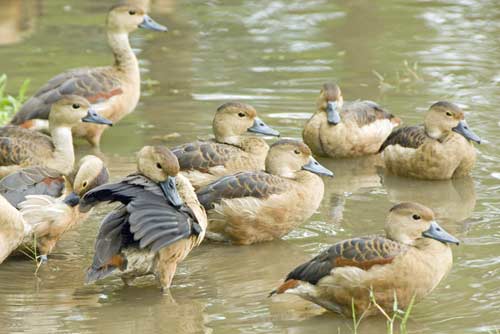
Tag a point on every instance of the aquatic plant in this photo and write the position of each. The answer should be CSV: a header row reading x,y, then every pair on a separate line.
x,y
9,104
397,314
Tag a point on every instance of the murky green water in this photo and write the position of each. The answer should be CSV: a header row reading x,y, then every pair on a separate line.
x,y
274,55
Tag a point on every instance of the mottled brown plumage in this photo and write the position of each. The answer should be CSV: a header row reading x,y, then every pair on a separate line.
x,y
158,222
232,151
116,89
440,149
251,207
409,261
346,130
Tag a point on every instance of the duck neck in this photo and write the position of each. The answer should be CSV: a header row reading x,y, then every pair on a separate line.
x,y
125,59
230,140
64,155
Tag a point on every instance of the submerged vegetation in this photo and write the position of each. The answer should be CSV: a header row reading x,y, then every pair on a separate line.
x,y
9,104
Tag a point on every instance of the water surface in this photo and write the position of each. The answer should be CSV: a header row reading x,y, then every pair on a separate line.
x,y
274,55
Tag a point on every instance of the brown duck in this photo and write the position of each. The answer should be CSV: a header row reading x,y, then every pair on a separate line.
x,y
410,260
21,147
338,131
50,217
251,207
232,151
115,89
157,224
440,149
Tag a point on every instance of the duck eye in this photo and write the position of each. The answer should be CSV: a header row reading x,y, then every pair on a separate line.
x,y
241,114
76,106
296,152
85,183
158,165
131,12
448,113
416,217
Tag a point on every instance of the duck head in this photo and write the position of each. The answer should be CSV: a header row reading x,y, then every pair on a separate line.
x,y
70,110
330,101
233,119
91,172
409,222
444,117
125,18
160,165
287,157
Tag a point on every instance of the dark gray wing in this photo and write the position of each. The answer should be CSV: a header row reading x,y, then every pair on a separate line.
x,y
31,181
246,184
410,136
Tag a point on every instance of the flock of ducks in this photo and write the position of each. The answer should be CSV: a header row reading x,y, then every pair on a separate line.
x,y
234,189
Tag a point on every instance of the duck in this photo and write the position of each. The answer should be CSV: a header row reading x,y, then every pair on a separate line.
x,y
357,129
13,228
49,218
250,207
157,224
22,147
231,151
115,89
408,262
440,149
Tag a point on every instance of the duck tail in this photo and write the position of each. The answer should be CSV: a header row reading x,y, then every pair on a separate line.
x,y
95,273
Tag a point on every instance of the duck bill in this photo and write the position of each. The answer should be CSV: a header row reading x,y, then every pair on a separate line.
x,y
463,129
93,117
332,113
436,232
72,199
260,127
169,189
315,167
150,24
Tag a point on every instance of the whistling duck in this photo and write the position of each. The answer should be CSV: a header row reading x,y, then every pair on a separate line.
x,y
50,217
338,131
157,224
203,162
440,149
251,207
410,260
116,89
21,147
12,229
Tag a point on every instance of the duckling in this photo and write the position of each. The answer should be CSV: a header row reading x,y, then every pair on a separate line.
x,y
115,88
21,147
251,207
50,217
203,162
339,131
157,224
12,229
440,149
410,260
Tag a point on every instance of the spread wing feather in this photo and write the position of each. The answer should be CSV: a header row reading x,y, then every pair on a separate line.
x,y
246,184
410,136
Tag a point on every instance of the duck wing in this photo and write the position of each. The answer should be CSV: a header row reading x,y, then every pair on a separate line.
x,y
246,184
366,112
362,253
410,136
202,155
95,84
18,145
31,181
